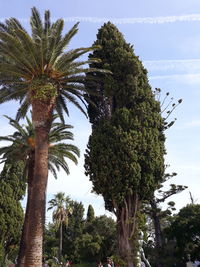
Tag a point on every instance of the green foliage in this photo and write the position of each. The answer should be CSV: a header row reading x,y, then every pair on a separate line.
x,y
128,83
158,220
185,229
125,150
42,89
123,156
51,241
61,205
99,239
83,241
90,246
38,67
90,214
22,145
71,233
12,190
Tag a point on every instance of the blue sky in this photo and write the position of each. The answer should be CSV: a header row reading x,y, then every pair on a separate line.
x,y
166,37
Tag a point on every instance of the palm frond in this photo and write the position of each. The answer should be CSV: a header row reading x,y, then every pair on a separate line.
x,y
52,170
63,43
36,25
73,100
53,39
59,109
22,111
12,47
47,22
8,93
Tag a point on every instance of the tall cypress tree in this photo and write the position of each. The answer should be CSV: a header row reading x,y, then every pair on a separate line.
x,y
12,190
124,158
90,214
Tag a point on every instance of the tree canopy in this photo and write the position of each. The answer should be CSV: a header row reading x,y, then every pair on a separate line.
x,y
129,145
12,190
185,229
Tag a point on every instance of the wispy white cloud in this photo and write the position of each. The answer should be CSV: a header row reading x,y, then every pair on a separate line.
x,y
192,78
186,70
139,20
178,65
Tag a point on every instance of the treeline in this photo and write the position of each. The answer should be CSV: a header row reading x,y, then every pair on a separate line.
x,y
85,240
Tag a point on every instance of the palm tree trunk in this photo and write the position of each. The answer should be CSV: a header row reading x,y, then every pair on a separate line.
x,y
60,243
24,237
42,118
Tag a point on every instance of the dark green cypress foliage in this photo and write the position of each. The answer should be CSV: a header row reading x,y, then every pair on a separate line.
x,y
12,190
130,142
128,75
125,152
90,214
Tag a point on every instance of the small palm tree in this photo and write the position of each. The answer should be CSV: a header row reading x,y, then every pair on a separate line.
x,y
61,204
23,148
37,71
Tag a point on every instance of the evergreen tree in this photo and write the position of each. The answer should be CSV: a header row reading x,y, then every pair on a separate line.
x,y
105,228
185,230
12,190
124,158
73,232
90,214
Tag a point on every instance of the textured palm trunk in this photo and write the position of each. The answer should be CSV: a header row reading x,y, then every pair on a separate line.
x,y
126,226
42,119
24,237
60,243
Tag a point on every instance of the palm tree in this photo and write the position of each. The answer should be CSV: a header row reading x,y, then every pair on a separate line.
x,y
23,148
61,204
37,71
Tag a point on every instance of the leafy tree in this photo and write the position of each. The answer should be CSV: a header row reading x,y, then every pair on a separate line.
x,y
73,232
185,230
157,213
159,216
105,227
89,247
12,190
158,249
124,158
83,242
90,214
37,71
23,148
96,242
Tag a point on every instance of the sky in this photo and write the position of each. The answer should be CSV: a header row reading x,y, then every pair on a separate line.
x,y
166,37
